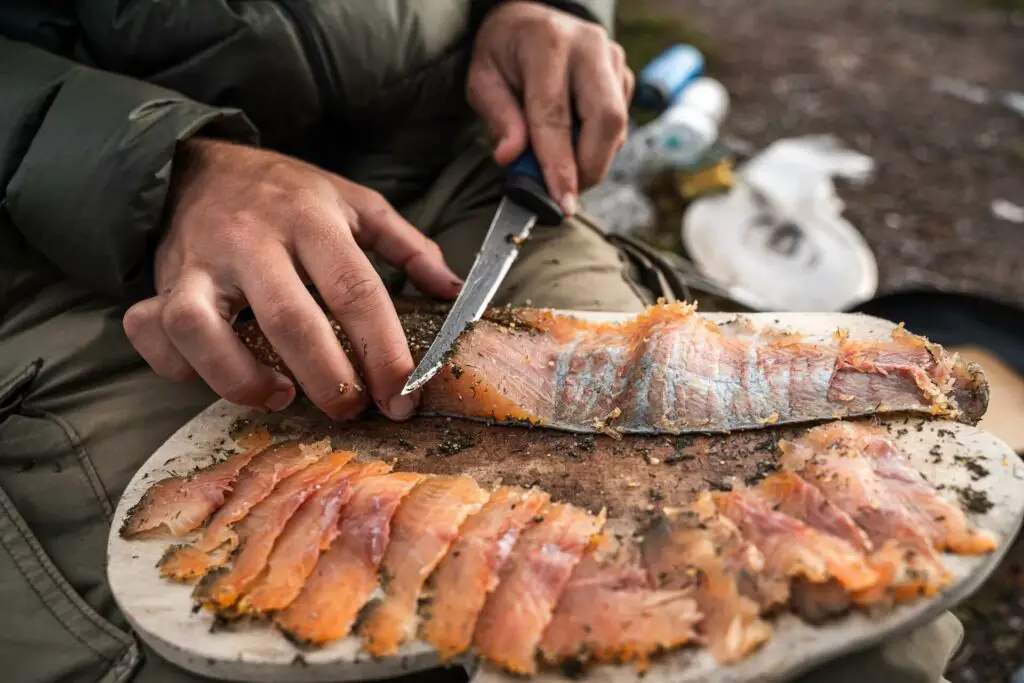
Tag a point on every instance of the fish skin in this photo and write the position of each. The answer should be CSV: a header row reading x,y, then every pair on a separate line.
x,y
261,528
610,612
181,504
833,459
515,614
423,528
345,575
793,548
254,483
469,571
310,531
690,549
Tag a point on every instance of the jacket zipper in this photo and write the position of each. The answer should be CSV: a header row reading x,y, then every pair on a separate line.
x,y
313,44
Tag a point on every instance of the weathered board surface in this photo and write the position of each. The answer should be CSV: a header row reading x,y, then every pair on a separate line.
x,y
631,477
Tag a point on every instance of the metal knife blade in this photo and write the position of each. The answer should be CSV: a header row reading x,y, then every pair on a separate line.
x,y
509,228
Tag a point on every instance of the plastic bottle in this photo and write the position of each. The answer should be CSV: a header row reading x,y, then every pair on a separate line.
x,y
687,129
660,82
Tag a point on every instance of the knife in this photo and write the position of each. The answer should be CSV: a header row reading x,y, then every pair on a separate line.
x,y
526,202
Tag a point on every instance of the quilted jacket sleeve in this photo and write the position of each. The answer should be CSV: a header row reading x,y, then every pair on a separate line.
x,y
85,162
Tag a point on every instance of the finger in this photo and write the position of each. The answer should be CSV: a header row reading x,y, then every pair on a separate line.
x,y
301,334
353,291
490,96
381,229
193,322
602,108
549,120
145,330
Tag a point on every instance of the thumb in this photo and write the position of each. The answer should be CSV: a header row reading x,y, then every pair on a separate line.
x,y
489,94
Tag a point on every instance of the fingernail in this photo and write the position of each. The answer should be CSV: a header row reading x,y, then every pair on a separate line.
x,y
569,204
280,400
401,407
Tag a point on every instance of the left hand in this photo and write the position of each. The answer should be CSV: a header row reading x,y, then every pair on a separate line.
x,y
555,62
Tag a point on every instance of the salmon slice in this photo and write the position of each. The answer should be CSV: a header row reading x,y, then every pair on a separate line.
x,y
832,459
610,612
260,529
695,548
515,614
669,370
469,572
308,533
423,528
345,576
254,483
793,548
787,493
181,504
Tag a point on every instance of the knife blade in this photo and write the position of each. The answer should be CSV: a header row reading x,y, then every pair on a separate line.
x,y
526,203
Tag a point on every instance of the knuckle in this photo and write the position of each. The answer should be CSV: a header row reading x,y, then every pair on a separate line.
x,y
183,315
244,390
354,292
281,318
177,372
135,321
618,53
612,120
592,33
387,358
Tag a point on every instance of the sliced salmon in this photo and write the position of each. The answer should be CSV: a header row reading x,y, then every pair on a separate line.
x,y
423,528
182,504
261,528
469,572
610,612
696,548
832,458
793,548
345,575
515,614
308,533
254,483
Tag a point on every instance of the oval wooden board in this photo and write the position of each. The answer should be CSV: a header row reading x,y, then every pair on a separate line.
x,y
160,611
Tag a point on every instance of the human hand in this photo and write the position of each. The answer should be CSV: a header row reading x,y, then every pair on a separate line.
x,y
251,227
554,61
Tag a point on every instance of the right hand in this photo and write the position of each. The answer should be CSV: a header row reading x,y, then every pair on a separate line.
x,y
249,228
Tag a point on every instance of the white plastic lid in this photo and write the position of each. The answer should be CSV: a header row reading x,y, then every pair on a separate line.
x,y
705,95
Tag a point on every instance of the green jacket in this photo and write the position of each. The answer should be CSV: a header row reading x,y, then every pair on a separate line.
x,y
96,94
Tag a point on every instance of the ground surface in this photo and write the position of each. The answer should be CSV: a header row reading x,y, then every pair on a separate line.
x,y
865,71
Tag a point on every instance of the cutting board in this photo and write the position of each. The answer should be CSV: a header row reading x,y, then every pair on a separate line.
x,y
584,471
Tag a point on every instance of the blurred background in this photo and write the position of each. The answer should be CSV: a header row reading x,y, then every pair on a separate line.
x,y
856,156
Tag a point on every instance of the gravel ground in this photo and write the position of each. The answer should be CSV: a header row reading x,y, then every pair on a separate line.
x,y
865,70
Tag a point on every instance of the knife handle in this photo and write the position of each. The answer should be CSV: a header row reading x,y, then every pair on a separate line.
x,y
525,185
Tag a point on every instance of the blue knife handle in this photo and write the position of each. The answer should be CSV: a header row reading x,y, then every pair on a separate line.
x,y
525,186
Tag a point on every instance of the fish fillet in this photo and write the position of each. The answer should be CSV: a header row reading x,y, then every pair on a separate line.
x,y
670,370
423,528
345,575
609,612
833,459
308,533
793,548
791,495
515,614
469,572
254,483
260,529
181,504
696,548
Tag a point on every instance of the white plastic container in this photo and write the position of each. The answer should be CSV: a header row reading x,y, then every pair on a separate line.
x,y
687,129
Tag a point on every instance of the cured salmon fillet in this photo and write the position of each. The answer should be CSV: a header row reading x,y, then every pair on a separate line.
x,y
423,528
181,504
308,533
609,612
793,548
254,483
346,574
695,548
260,529
515,614
842,460
469,572
670,370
